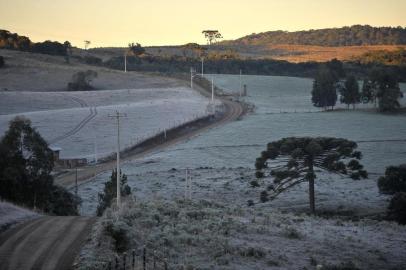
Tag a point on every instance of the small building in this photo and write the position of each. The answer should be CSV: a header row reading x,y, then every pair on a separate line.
x,y
56,151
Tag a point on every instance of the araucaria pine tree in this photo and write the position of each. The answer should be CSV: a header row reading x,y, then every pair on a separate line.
x,y
291,161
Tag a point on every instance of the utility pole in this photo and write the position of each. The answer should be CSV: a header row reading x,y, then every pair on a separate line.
x,y
202,67
125,62
118,115
76,182
191,77
240,82
212,89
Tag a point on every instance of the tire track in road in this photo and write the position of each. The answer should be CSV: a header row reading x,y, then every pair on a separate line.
x,y
81,124
44,243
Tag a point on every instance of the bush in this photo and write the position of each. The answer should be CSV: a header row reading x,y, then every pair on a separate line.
x,y
394,180
110,191
1,61
119,233
264,196
397,208
342,266
254,183
81,80
92,60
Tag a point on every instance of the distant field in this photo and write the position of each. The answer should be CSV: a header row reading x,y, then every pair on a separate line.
x,y
287,52
40,72
304,53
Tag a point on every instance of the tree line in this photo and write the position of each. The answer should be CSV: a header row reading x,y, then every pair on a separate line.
x,y
380,87
345,36
13,41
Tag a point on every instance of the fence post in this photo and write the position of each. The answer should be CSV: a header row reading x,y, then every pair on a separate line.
x,y
116,266
124,259
133,258
144,259
154,260
165,265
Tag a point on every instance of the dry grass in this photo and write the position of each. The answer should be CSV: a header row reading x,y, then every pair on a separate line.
x,y
40,72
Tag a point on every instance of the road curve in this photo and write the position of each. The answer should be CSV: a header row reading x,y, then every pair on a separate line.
x,y
44,243
233,110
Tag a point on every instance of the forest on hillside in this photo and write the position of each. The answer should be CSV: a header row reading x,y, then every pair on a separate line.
x,y
346,36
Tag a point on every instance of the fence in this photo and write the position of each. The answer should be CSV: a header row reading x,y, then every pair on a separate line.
x,y
136,260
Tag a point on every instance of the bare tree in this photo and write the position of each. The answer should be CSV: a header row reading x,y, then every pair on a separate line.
x,y
212,35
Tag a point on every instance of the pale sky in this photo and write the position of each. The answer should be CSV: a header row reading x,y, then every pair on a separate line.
x,y
165,22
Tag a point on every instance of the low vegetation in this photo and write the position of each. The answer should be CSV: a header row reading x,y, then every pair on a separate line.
x,y
81,81
26,164
110,191
394,183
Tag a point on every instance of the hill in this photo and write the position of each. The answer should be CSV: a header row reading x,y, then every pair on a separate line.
x,y
355,35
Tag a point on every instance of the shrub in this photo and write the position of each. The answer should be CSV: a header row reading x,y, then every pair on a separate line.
x,y
92,60
342,266
254,183
394,180
397,208
264,196
119,233
292,233
110,191
81,80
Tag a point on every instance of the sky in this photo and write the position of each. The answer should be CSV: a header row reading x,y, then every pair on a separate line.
x,y
115,23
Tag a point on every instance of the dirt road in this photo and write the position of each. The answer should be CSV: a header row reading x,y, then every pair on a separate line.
x,y
233,110
44,243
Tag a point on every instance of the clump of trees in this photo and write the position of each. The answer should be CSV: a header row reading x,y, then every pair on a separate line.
x,y
14,41
110,191
135,49
81,81
382,87
26,164
394,183
291,161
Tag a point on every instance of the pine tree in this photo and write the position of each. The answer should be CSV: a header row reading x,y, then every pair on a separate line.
x,y
324,92
350,92
110,191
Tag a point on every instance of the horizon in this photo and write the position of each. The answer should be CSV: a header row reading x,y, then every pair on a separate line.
x,y
124,27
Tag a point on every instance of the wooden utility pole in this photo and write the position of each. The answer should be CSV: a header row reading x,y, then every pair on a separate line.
x,y
117,116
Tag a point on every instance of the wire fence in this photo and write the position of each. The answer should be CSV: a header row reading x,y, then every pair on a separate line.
x,y
137,259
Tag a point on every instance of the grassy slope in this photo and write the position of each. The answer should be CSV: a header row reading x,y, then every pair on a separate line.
x,y
39,72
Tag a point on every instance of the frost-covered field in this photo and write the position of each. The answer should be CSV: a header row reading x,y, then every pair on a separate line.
x,y
380,137
84,116
11,214
226,233
208,235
